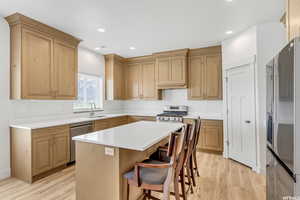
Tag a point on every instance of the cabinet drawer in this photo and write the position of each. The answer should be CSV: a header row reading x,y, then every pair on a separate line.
x,y
118,121
62,130
101,124
140,118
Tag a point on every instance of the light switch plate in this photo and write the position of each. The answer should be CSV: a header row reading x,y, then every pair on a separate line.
x,y
109,151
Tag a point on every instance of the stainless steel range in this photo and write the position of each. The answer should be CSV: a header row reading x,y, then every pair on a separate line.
x,y
173,114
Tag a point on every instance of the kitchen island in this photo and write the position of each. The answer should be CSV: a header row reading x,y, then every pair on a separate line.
x,y
103,157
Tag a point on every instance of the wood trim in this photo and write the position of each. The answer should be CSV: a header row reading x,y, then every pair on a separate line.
x,y
140,59
205,51
17,18
179,52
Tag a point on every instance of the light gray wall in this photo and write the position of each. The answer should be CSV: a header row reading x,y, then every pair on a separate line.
x,y
4,99
264,42
271,38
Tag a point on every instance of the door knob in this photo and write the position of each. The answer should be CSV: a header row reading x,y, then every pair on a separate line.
x,y
248,121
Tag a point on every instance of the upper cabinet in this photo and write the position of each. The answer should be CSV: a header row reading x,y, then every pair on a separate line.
x,y
43,61
205,74
114,77
171,69
293,18
140,81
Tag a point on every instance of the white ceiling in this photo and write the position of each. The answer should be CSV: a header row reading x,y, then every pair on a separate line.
x,y
148,25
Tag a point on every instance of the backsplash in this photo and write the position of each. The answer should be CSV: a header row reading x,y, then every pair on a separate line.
x,y
174,97
29,111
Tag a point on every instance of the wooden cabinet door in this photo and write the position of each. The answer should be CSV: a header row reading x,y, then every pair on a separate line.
x,y
163,71
101,124
196,78
211,136
118,121
61,149
213,77
133,81
148,83
118,80
65,60
37,63
212,139
42,154
178,70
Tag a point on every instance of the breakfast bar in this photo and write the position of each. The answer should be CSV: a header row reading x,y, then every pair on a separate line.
x,y
103,157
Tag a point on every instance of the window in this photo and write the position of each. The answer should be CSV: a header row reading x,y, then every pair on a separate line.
x,y
90,90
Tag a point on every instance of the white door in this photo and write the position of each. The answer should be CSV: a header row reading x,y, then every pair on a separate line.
x,y
241,118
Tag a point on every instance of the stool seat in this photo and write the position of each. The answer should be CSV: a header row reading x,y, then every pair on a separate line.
x,y
153,176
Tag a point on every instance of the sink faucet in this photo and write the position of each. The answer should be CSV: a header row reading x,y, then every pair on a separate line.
x,y
93,109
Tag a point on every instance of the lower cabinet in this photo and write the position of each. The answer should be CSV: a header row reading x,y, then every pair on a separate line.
x,y
61,146
38,151
132,119
42,152
110,123
211,136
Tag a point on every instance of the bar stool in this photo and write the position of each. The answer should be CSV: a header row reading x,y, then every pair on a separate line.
x,y
153,175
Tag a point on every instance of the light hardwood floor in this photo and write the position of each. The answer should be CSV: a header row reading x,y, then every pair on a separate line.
x,y
220,179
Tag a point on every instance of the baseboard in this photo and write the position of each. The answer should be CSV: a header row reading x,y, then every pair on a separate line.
x,y
4,173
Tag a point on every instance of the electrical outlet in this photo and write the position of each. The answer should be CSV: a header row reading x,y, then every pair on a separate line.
x,y
109,151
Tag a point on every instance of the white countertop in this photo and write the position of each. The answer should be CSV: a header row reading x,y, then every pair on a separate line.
x,y
51,123
137,136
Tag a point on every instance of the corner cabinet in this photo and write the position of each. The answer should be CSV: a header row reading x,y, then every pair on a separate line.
x,y
114,77
171,69
140,83
43,61
205,74
38,152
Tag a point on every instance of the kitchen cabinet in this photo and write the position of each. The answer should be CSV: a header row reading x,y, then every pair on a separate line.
x,y
61,148
133,81
43,61
42,154
110,123
65,58
211,136
114,77
293,18
39,151
132,119
171,69
141,79
205,74
101,124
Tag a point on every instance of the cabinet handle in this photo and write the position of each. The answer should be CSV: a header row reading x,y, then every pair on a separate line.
x,y
248,121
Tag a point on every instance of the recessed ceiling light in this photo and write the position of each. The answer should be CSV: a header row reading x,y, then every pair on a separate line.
x,y
229,0
101,30
97,48
229,32
132,48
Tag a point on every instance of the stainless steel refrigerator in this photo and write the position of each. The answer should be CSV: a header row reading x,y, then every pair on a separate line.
x,y
283,123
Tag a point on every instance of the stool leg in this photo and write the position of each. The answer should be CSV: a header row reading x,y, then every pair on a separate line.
x,y
176,189
195,162
128,190
189,179
182,181
192,172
